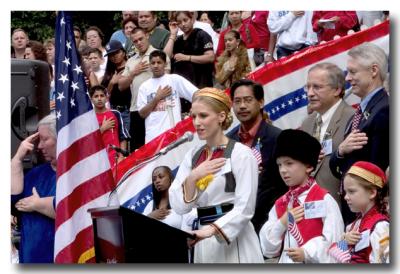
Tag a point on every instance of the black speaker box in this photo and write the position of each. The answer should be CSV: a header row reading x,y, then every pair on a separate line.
x,y
30,87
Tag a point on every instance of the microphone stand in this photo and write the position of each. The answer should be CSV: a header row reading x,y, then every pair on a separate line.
x,y
128,173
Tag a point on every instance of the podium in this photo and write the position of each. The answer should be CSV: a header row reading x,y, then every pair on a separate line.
x,y
125,236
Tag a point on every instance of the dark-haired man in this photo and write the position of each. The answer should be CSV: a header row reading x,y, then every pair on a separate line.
x,y
137,71
255,132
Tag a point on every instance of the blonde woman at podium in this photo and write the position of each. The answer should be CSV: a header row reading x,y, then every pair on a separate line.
x,y
219,180
161,179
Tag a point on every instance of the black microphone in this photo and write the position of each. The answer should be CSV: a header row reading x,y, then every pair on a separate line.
x,y
187,137
120,150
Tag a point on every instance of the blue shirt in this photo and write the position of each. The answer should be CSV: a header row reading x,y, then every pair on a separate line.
x,y
37,230
365,101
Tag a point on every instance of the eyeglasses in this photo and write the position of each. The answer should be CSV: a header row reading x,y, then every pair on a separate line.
x,y
314,87
247,100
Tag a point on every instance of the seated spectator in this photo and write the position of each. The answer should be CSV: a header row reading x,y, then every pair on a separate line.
x,y
32,194
233,64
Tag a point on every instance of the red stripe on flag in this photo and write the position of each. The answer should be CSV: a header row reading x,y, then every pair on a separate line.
x,y
154,146
82,194
82,242
317,53
79,150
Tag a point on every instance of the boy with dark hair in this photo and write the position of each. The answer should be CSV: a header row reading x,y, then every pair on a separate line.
x,y
158,98
305,221
111,125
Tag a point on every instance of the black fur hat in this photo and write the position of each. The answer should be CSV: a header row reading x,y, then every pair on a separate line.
x,y
299,145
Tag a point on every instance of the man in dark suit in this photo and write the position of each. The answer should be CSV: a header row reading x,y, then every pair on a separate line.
x,y
325,88
367,133
248,103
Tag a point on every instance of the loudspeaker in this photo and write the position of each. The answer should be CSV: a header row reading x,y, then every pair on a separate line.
x,y
30,87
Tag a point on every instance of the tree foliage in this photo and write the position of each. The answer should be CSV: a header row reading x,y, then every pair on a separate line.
x,y
40,25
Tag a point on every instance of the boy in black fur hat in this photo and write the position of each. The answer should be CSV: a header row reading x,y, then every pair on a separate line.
x,y
306,220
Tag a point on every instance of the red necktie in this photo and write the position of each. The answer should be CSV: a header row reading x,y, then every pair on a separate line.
x,y
356,118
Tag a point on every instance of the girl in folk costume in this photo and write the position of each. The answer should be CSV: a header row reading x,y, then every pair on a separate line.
x,y
219,180
365,187
304,222
234,63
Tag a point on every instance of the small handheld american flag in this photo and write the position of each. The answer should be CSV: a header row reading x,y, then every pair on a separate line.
x,y
256,152
294,230
340,252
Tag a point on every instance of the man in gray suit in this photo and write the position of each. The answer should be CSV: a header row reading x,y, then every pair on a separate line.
x,y
325,89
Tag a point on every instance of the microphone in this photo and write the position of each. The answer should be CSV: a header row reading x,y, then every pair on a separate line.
x,y
120,150
187,137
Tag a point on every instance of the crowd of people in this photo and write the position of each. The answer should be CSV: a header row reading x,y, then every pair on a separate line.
x,y
257,192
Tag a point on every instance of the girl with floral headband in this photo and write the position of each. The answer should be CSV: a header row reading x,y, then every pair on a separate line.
x,y
220,180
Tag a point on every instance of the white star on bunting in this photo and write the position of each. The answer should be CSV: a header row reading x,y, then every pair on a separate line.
x,y
77,69
68,44
74,85
63,78
60,96
58,115
66,61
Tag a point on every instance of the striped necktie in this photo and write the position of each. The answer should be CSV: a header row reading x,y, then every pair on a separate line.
x,y
356,118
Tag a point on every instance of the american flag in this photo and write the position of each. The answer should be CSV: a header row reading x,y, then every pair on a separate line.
x,y
256,152
294,230
84,177
340,252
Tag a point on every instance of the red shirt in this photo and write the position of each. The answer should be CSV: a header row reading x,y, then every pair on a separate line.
x,y
348,20
110,136
259,22
247,137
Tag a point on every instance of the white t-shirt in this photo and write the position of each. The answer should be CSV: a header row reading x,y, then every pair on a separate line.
x,y
167,113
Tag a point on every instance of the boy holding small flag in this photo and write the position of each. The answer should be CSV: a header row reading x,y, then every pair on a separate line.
x,y
306,220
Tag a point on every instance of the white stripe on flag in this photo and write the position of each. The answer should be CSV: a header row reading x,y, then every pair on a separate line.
x,y
75,131
80,220
81,172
